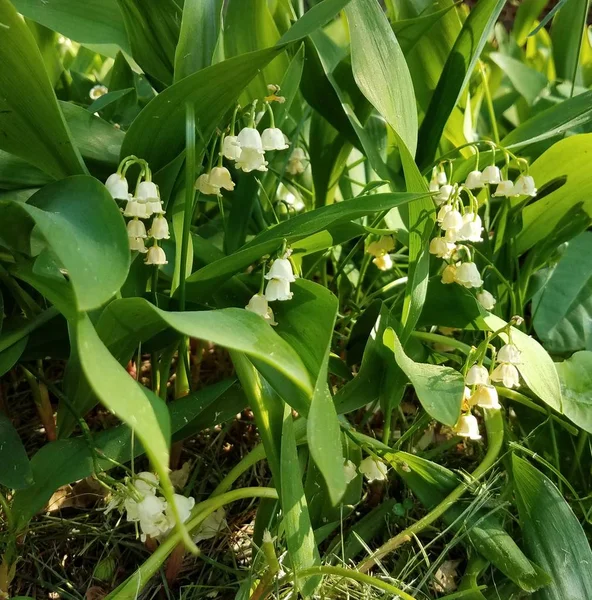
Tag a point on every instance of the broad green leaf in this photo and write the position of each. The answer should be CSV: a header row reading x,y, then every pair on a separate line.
x,y
456,75
125,398
552,219
565,116
432,482
439,389
83,228
153,30
536,366
566,35
64,461
158,133
89,22
526,80
380,69
553,536
249,26
293,230
200,30
16,173
127,322
300,538
15,469
31,124
563,307
575,375
9,356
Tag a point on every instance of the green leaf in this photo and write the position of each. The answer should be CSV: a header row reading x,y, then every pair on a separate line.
x,y
248,27
202,20
431,483
300,538
83,228
380,69
15,469
553,535
31,124
153,30
439,389
89,22
528,82
10,355
565,116
456,75
552,219
575,375
292,230
566,37
526,15
64,461
536,366
563,307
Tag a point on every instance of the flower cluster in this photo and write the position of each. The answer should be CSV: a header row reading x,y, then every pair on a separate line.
x,y
140,501
491,175
143,204
380,250
479,391
279,278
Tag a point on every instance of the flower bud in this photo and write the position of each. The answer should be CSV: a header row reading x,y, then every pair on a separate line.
x,y
273,139
117,186
509,354
160,228
258,305
452,220
485,396
468,275
468,426
444,194
137,244
444,210
231,149
449,274
505,188
472,228
486,300
491,175
525,186
136,229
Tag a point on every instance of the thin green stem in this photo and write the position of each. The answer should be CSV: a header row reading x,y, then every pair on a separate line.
x,y
489,103
252,458
495,436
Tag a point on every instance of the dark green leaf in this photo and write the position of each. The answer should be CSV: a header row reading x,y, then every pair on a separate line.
x,y
15,469
575,375
566,36
553,535
31,124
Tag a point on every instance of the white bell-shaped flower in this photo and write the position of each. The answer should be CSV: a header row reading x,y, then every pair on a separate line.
x,y
231,148
184,505
468,427
486,300
471,228
220,177
441,248
449,274
160,228
468,275
211,526
505,188
278,289
452,220
251,159
485,396
350,471
117,186
203,186
147,192
506,374
272,138
434,187
491,174
156,256
149,507
138,245
146,482
467,393
133,208
525,186
441,178
477,375
258,304
452,236
372,469
383,262
444,210
155,207
296,164
473,180
444,194
281,268
136,229
249,137
382,246
509,354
